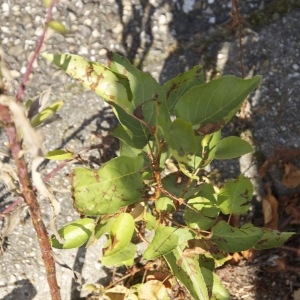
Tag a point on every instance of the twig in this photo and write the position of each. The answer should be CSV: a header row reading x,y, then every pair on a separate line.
x,y
237,16
8,112
10,208
37,49
31,200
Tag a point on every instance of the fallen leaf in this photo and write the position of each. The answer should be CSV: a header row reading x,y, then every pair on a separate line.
x,y
153,290
270,210
291,178
164,277
296,295
280,155
120,292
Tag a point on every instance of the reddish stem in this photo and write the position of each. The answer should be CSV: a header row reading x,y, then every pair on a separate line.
x,y
31,200
7,210
37,49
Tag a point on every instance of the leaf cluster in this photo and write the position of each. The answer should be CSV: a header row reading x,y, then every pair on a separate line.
x,y
179,121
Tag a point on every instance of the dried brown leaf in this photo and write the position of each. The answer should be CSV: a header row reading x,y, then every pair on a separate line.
x,y
153,290
270,211
291,178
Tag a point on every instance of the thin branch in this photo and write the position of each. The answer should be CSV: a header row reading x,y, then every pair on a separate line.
x,y
11,207
31,200
37,49
238,19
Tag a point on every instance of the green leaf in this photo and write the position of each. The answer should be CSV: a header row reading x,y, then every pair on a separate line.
x,y
103,227
181,141
207,191
272,239
116,184
231,239
235,197
46,113
204,216
164,241
97,77
131,131
116,88
179,85
124,257
210,106
146,91
59,155
214,285
171,184
188,272
165,204
119,250
75,234
232,147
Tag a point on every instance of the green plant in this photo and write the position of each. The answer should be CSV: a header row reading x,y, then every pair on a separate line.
x,y
176,124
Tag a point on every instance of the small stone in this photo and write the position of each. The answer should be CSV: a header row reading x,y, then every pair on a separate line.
x,y
95,33
162,20
212,20
102,52
5,8
295,67
188,6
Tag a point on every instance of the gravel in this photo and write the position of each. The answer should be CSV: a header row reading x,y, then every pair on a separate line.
x,y
164,38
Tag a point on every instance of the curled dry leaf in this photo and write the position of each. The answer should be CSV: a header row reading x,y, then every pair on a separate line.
x,y
293,211
296,295
291,178
164,277
153,290
270,211
120,292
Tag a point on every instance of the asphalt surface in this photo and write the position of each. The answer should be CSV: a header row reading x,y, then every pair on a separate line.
x,y
164,38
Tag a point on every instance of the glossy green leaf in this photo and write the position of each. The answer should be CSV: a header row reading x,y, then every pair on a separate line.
x,y
119,250
46,113
272,239
103,227
176,188
131,131
116,88
163,242
188,272
97,77
232,147
204,214
165,204
147,94
236,195
231,239
59,155
207,191
150,221
182,142
208,147
75,234
209,106
179,85
213,283
116,184
124,257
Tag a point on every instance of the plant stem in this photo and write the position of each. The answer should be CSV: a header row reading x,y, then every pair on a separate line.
x,y
36,51
30,198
